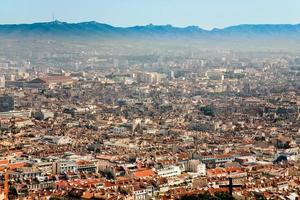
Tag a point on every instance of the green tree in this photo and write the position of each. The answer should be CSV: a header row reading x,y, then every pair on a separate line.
x,y
223,195
208,110
208,196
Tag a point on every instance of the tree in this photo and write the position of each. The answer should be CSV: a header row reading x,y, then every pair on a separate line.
x,y
223,195
208,196
259,196
208,110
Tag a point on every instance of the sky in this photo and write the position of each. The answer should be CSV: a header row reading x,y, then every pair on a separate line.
x,y
203,13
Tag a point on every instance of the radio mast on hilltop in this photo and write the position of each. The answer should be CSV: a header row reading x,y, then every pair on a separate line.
x,y
53,17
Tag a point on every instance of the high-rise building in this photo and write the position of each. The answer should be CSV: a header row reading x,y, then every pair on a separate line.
x,y
196,166
298,138
2,81
172,75
147,77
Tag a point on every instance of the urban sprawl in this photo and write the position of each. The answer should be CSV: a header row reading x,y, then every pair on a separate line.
x,y
150,127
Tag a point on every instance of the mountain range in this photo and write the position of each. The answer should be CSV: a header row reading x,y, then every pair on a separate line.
x,y
95,29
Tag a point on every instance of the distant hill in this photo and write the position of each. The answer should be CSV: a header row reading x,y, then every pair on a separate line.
x,y
95,29
260,30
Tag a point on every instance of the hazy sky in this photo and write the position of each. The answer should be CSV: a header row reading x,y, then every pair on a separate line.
x,y
203,13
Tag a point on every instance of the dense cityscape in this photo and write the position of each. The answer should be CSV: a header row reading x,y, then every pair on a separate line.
x,y
150,126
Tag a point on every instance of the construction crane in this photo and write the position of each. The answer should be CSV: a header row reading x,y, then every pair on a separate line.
x,y
6,168
6,186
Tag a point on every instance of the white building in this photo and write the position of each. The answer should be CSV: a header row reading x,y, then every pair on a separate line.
x,y
143,193
147,77
195,166
169,171
58,140
119,130
60,167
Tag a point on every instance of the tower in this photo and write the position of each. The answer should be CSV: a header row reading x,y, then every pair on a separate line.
x,y
2,81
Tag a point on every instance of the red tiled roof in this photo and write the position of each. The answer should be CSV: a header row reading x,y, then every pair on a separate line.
x,y
87,195
56,79
4,162
144,173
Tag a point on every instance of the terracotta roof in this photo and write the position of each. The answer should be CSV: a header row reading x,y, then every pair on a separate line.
x,y
223,156
52,79
56,79
4,162
87,195
144,173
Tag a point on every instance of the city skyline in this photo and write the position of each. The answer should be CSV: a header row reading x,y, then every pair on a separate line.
x,y
205,14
